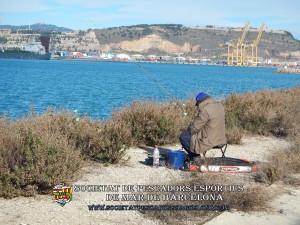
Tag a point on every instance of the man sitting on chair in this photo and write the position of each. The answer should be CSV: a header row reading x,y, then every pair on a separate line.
x,y
207,130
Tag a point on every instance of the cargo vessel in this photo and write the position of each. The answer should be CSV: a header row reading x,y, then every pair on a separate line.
x,y
38,50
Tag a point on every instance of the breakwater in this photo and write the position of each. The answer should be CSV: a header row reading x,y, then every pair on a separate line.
x,y
288,70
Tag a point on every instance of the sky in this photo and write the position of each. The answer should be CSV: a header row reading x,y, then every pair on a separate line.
x,y
96,14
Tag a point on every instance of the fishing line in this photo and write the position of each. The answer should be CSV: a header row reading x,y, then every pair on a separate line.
x,y
151,77
155,81
159,85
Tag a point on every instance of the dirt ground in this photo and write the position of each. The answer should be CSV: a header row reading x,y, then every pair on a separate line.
x,y
42,209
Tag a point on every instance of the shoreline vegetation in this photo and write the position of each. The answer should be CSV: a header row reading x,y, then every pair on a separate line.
x,y
39,151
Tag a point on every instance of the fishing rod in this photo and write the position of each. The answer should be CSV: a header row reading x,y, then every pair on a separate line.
x,y
155,81
161,87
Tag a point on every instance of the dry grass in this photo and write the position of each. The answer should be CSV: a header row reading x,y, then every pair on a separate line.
x,y
281,166
253,198
284,163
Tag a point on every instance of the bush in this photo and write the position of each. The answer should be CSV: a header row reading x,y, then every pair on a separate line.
x,y
40,151
234,135
111,144
264,112
151,123
34,156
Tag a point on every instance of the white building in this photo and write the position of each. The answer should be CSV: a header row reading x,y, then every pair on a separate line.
x,y
138,57
152,58
180,59
124,57
107,55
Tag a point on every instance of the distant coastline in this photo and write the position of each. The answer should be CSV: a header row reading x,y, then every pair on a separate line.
x,y
279,66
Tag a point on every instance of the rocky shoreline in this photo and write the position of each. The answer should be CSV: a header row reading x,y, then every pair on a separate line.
x,y
288,70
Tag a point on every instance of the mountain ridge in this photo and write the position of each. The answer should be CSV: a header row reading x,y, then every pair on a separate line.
x,y
37,27
174,39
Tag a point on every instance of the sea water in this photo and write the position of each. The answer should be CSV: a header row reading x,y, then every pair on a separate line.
x,y
97,88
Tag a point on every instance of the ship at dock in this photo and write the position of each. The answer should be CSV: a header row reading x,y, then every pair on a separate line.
x,y
33,50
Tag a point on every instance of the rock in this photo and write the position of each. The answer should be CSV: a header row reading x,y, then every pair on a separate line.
x,y
281,211
288,70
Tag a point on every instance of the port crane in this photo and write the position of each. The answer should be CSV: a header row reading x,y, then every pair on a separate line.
x,y
235,52
251,49
239,46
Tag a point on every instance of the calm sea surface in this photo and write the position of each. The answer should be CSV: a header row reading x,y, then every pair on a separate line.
x,y
98,88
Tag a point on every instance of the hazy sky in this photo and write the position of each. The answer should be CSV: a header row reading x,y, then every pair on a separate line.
x,y
85,14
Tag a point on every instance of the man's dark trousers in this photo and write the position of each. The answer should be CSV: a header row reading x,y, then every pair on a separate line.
x,y
185,140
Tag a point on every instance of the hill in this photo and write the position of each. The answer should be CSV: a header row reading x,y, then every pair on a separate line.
x,y
192,41
160,39
36,27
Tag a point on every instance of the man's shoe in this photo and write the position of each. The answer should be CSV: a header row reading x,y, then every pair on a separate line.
x,y
197,160
186,166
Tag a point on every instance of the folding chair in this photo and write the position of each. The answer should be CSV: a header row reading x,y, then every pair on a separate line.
x,y
222,147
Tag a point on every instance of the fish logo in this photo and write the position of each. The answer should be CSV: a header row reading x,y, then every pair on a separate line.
x,y
62,194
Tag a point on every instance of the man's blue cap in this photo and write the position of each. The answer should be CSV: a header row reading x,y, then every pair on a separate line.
x,y
200,97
